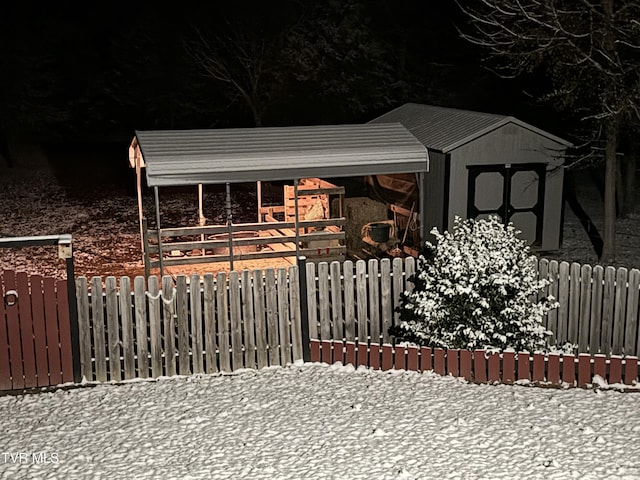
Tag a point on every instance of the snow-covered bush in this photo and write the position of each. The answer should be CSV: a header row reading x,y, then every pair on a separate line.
x,y
474,289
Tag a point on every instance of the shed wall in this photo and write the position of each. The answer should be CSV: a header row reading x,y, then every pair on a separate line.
x,y
511,144
436,191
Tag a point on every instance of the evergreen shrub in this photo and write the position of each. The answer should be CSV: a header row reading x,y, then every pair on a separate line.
x,y
476,288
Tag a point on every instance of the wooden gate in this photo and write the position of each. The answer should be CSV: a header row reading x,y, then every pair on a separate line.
x,y
35,331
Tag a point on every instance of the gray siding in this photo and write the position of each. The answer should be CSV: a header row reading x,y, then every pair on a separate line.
x,y
511,144
436,191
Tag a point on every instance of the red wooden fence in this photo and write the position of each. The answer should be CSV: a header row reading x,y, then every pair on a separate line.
x,y
483,367
35,332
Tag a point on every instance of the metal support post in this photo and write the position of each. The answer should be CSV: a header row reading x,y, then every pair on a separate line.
x,y
157,199
230,226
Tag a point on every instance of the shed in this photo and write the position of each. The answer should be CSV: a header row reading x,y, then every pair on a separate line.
x,y
226,156
485,164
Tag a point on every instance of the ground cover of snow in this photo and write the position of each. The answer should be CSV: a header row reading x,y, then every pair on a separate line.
x,y
313,421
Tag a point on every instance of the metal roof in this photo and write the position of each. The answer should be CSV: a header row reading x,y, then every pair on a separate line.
x,y
191,157
445,129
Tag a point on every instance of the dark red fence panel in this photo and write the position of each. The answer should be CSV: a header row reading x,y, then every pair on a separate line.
x,y
12,320
553,369
466,368
64,331
615,369
493,368
569,370
39,331
412,358
482,367
5,365
35,332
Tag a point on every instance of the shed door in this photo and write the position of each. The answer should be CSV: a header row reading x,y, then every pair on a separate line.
x,y
514,192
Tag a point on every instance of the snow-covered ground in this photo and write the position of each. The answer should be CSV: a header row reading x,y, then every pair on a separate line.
x,y
313,421
89,200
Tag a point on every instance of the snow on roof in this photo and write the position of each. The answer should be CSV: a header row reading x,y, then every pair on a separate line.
x,y
191,157
445,129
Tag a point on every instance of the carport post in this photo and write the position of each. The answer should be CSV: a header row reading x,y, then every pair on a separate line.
x,y
201,218
259,196
157,198
139,193
229,226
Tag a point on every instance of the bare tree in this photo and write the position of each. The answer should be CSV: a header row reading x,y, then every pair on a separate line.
x,y
590,49
323,55
242,60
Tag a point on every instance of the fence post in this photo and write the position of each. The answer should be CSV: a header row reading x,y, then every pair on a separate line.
x,y
304,308
145,246
73,318
65,250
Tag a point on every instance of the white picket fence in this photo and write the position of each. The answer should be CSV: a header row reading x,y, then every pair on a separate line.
x,y
356,304
253,319
598,306
191,325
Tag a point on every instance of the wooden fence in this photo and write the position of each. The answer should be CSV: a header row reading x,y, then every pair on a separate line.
x,y
190,325
254,319
35,331
483,367
598,307
356,304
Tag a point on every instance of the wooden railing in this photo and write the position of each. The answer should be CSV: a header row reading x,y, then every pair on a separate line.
x,y
273,240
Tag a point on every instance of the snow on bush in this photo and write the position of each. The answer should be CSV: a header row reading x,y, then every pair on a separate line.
x,y
474,289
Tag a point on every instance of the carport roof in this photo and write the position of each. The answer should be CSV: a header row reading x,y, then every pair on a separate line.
x,y
191,157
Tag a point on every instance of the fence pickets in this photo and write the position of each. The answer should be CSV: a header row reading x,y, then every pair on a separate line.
x,y
188,325
480,366
224,322
598,308
356,307
35,331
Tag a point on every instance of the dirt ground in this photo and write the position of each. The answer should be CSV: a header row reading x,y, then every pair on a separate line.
x,y
57,193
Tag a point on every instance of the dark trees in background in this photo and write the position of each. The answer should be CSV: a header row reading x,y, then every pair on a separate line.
x,y
240,56
96,73
315,56
336,58
151,83
33,78
589,49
